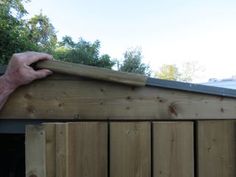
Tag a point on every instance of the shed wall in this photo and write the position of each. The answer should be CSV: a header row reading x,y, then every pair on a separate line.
x,y
71,98
131,149
114,130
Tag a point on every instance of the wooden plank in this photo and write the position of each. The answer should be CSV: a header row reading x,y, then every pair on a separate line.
x,y
173,154
84,99
40,150
35,151
62,154
87,149
93,72
130,149
67,150
50,131
217,148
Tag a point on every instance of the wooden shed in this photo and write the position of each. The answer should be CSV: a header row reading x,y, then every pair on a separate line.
x,y
90,122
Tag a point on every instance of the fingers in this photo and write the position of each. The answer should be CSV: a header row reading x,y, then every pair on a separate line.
x,y
39,74
30,57
35,56
19,72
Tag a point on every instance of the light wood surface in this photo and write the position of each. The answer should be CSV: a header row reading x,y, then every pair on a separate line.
x,y
173,149
93,72
86,99
87,148
35,151
61,149
130,150
50,136
217,148
82,149
67,150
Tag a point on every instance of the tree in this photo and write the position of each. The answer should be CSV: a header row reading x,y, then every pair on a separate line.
x,y
189,70
105,61
133,62
168,72
19,35
82,52
186,73
42,33
13,32
13,8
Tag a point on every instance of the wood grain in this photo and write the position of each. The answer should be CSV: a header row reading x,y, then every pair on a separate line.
x,y
87,99
35,151
87,149
61,149
93,72
173,149
50,135
130,149
217,148
67,150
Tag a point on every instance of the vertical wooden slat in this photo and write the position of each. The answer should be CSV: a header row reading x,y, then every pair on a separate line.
x,y
67,150
130,149
87,149
173,149
62,150
50,150
217,148
35,151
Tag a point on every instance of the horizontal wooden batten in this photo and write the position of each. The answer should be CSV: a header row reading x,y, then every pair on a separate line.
x,y
93,72
100,100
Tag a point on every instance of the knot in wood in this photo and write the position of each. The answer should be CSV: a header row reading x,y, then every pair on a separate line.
x,y
173,110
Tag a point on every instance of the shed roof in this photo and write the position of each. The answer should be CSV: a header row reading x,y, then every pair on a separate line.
x,y
131,79
225,83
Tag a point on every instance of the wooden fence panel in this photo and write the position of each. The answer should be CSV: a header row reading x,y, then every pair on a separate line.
x,y
87,147
67,150
217,148
81,149
35,151
130,149
50,131
173,149
61,149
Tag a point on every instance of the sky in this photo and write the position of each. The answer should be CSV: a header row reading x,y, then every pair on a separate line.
x,y
168,32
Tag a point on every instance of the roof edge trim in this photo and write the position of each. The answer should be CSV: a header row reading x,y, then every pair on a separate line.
x,y
197,88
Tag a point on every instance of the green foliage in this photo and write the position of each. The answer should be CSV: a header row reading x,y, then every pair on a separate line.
x,y
13,8
13,33
38,34
18,35
42,33
82,52
168,72
133,62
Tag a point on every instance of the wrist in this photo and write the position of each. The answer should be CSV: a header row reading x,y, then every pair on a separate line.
x,y
6,83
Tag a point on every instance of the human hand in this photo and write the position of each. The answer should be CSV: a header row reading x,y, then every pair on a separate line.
x,y
19,72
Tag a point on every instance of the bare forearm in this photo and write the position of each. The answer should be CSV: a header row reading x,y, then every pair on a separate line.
x,y
5,91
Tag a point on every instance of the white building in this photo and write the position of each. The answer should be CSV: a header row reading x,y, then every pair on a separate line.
x,y
225,83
